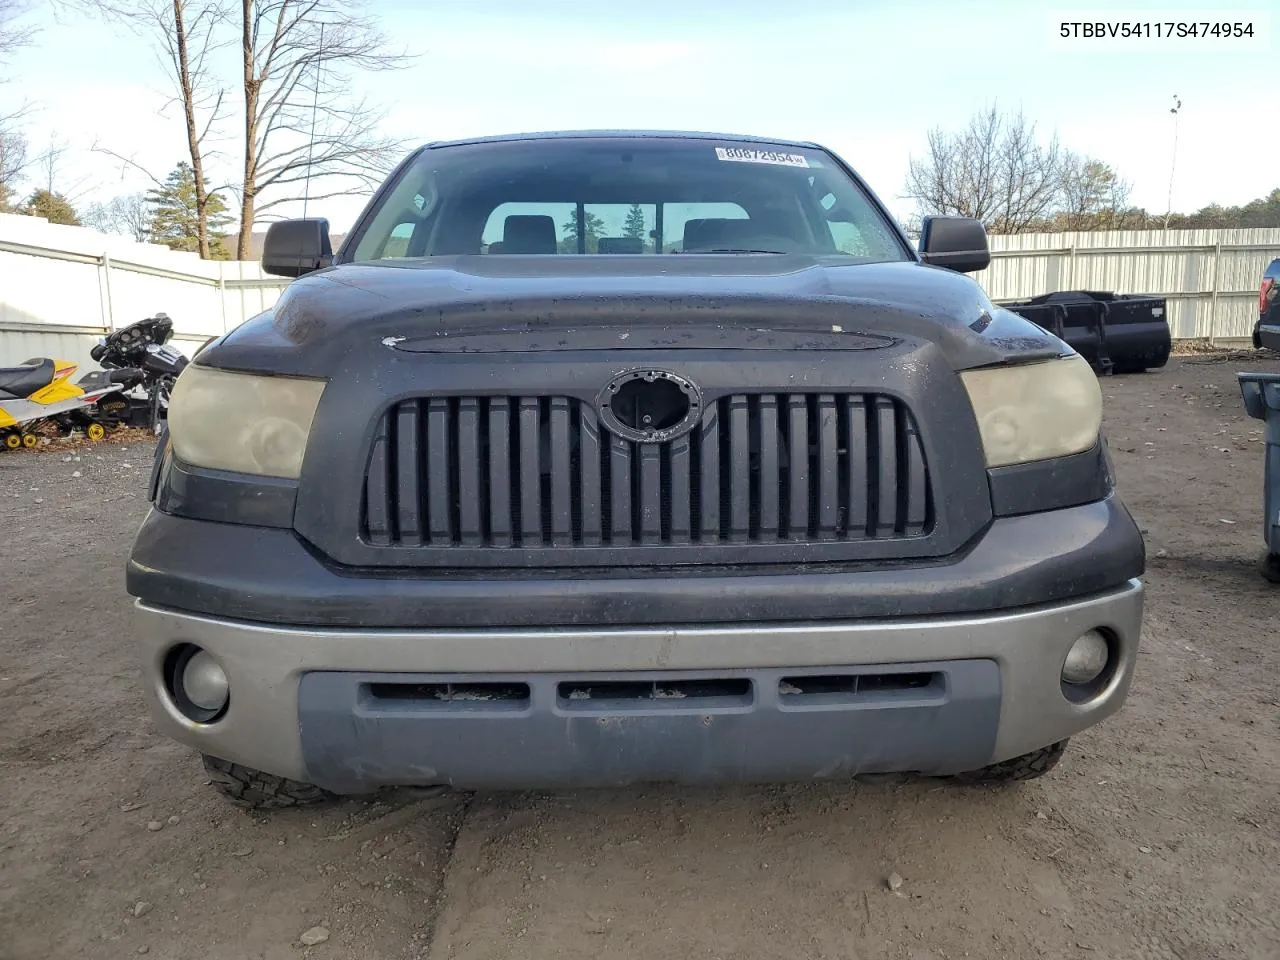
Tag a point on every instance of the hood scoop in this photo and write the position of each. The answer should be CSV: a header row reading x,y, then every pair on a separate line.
x,y
542,339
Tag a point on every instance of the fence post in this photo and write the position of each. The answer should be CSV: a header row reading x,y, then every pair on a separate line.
x,y
222,293
109,314
1213,294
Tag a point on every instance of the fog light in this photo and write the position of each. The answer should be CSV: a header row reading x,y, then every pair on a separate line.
x,y
1086,659
205,682
197,683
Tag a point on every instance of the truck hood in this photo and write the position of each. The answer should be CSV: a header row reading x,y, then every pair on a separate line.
x,y
530,305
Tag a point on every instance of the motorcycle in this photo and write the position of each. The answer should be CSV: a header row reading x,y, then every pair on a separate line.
x,y
140,356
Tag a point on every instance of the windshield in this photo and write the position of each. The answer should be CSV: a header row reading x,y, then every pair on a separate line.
x,y
602,196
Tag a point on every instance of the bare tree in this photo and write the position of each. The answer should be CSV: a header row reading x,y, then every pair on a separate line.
x,y
301,121
1029,176
996,170
13,145
128,215
194,30
12,34
49,161
185,34
1093,196
13,164
49,167
133,216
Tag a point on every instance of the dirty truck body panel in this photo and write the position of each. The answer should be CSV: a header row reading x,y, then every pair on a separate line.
x,y
566,517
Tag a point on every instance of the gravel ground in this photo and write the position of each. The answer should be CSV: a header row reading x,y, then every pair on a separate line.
x,y
1157,837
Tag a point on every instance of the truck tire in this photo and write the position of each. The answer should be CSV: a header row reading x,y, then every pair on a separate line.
x,y
1124,367
1029,766
255,790
1269,567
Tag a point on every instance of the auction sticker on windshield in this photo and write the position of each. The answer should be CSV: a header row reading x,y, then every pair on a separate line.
x,y
745,155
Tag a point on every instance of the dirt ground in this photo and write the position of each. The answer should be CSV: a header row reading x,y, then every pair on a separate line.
x,y
1157,837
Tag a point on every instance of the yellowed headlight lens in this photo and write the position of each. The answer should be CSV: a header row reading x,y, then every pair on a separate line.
x,y
242,422
1035,411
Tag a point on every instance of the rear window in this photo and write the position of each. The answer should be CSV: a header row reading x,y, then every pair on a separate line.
x,y
635,197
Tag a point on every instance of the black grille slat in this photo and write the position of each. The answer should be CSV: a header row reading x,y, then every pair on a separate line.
x,y
501,521
737,466
544,473
855,458
828,468
887,457
377,495
589,467
797,466
650,499
708,447
530,473
916,483
680,494
621,530
766,478
437,494
471,473
408,494
561,508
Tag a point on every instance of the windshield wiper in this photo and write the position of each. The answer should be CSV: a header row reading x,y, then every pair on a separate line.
x,y
734,250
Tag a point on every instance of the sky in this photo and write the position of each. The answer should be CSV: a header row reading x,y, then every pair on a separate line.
x,y
866,78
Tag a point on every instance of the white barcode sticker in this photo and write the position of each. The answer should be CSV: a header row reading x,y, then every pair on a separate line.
x,y
747,155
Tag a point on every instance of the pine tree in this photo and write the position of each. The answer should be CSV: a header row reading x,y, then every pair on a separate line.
x,y
634,225
593,228
174,220
54,207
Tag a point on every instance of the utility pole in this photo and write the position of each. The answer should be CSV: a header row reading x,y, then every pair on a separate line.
x,y
1173,160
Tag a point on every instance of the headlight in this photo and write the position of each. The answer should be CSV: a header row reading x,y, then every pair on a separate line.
x,y
242,422
1035,411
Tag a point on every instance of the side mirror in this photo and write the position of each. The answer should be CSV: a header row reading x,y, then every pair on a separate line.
x,y
295,247
957,243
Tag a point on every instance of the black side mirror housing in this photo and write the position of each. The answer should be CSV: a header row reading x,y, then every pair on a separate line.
x,y
295,247
957,243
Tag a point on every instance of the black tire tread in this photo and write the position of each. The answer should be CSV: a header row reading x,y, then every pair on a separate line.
x,y
1124,367
1029,766
1269,567
255,790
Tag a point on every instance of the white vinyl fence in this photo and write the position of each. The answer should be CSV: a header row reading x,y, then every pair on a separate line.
x,y
1210,278
63,287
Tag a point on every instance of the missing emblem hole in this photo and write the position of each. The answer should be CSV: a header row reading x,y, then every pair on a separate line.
x,y
650,404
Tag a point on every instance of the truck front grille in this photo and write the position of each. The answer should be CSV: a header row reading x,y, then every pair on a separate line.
x,y
543,472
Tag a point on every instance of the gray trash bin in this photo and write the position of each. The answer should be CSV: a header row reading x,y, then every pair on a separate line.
x,y
1261,393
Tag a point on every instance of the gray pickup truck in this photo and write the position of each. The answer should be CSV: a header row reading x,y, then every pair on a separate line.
x,y
602,458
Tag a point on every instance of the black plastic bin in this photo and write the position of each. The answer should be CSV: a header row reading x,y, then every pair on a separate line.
x,y
1261,393
1120,334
